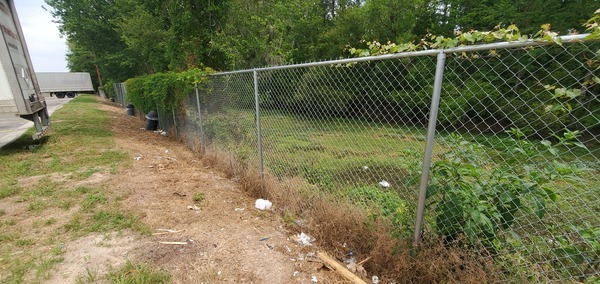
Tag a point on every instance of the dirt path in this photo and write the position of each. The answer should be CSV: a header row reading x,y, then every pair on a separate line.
x,y
226,239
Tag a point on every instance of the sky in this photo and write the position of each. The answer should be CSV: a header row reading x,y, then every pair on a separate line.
x,y
46,48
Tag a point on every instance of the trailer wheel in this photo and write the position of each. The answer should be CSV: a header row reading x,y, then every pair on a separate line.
x,y
70,95
59,95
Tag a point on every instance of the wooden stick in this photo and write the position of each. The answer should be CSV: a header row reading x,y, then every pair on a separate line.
x,y
337,267
363,261
166,231
173,243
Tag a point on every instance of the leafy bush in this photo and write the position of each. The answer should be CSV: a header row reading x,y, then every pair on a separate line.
x,y
481,200
164,90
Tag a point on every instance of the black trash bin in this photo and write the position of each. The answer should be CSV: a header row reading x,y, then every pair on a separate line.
x,y
130,110
151,121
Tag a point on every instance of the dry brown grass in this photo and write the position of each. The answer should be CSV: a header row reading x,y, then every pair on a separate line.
x,y
339,227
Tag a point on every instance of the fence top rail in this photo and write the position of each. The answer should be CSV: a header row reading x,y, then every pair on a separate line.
x,y
431,52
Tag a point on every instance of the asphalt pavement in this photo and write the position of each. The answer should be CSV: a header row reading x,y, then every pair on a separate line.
x,y
12,127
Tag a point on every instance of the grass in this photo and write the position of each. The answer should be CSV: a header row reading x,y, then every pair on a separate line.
x,y
198,197
36,174
138,273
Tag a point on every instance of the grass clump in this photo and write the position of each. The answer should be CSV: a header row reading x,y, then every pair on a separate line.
x,y
138,273
198,197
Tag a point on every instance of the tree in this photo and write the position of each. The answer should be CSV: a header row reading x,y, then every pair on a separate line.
x,y
90,26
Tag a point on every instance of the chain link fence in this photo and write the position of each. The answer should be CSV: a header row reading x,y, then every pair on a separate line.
x,y
494,145
120,94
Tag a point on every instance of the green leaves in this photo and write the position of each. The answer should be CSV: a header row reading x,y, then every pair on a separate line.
x,y
483,200
164,90
593,26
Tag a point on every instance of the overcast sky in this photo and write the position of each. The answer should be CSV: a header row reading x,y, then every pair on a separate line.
x,y
46,48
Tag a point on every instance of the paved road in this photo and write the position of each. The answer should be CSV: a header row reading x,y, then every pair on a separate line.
x,y
12,127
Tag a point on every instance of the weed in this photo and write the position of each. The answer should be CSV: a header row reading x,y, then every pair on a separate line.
x,y
58,250
8,237
45,188
37,206
198,197
90,277
50,221
104,221
138,273
45,266
75,224
9,222
65,204
24,242
9,190
91,200
83,189
2,212
18,270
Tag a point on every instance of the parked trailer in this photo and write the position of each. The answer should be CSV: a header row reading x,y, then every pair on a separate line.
x,y
19,90
64,84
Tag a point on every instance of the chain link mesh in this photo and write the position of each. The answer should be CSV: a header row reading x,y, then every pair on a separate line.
x,y
516,152
120,93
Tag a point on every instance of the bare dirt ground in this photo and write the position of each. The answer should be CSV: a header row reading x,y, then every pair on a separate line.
x,y
224,239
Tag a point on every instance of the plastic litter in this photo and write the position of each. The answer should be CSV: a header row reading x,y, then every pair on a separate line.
x,y
263,204
375,279
365,168
304,239
193,207
313,279
384,183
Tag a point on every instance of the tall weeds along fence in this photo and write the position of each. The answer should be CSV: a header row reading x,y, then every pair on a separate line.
x,y
494,145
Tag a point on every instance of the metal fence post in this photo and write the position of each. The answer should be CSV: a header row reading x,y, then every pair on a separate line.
x,y
201,122
435,102
174,121
158,115
256,101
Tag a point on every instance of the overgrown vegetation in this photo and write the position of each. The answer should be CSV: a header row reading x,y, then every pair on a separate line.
x,y
35,174
480,185
164,91
483,202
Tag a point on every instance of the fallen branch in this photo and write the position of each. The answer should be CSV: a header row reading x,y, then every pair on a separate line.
x,y
336,266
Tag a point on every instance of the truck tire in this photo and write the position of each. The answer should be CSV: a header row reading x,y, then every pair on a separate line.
x,y
59,95
70,95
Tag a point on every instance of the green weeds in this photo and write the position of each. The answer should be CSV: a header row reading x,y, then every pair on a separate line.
x,y
138,273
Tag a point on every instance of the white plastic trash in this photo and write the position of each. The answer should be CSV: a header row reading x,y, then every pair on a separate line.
x,y
263,204
384,183
304,239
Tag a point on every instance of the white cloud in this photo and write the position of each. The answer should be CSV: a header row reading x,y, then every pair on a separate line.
x,y
46,48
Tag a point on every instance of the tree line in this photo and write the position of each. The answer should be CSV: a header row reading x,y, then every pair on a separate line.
x,y
129,38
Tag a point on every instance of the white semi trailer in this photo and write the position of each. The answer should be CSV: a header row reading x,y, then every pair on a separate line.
x,y
64,84
19,91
